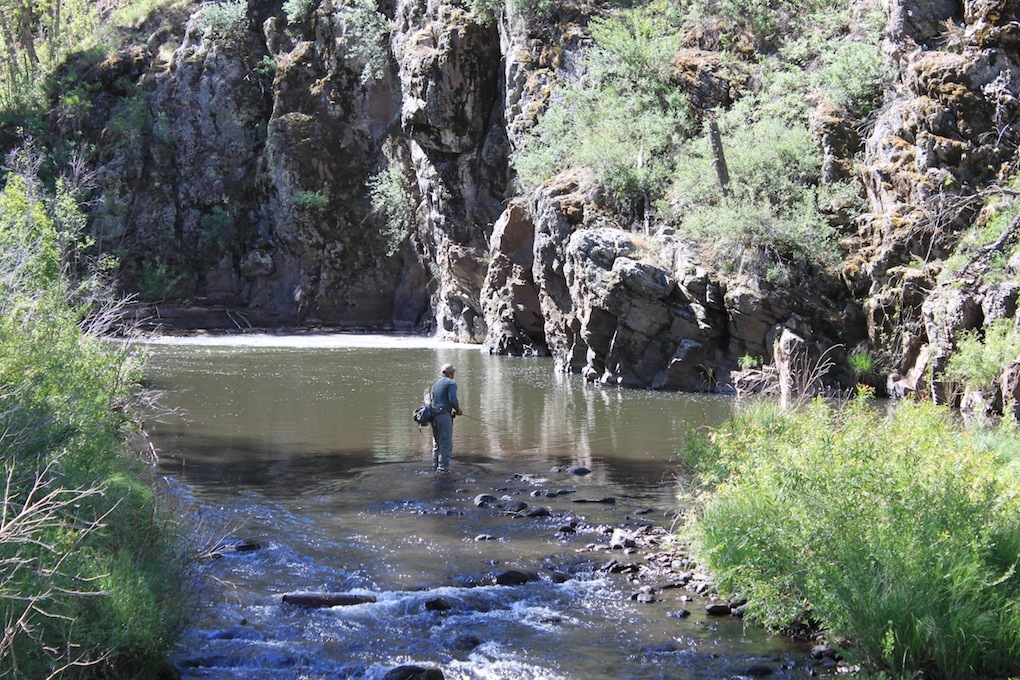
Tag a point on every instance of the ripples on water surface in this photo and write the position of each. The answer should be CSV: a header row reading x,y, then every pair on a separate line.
x,y
305,444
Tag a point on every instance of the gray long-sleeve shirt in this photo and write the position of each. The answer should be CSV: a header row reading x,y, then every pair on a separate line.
x,y
444,395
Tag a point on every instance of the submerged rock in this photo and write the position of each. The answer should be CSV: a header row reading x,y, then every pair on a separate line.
x,y
414,673
514,577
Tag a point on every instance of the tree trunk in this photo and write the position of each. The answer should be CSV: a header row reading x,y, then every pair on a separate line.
x,y
718,157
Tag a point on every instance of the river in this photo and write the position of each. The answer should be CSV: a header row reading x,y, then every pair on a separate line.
x,y
303,448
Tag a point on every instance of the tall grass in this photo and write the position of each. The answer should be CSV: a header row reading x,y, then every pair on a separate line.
x,y
895,532
90,584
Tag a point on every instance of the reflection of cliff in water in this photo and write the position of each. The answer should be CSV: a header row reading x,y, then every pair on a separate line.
x,y
339,403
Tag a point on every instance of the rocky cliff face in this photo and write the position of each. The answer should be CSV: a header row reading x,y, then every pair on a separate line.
x,y
247,182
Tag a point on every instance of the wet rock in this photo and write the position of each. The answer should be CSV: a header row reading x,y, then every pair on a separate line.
x,y
540,511
484,500
225,547
578,470
437,604
644,595
718,609
621,539
823,651
607,500
679,614
484,537
759,670
464,642
643,511
559,577
514,577
327,599
512,506
615,567
414,673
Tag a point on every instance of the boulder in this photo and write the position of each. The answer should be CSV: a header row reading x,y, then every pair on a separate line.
x,y
411,672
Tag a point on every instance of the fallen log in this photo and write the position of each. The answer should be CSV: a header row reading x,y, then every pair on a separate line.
x,y
327,599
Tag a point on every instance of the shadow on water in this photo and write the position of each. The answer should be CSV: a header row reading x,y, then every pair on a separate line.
x,y
309,451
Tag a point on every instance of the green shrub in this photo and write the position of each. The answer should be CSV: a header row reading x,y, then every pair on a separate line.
x,y
861,362
894,532
91,583
298,11
854,76
316,201
625,122
527,10
982,355
363,31
774,202
225,20
392,204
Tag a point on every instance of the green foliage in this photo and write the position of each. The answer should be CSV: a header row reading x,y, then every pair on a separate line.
x,y
157,280
625,122
748,362
297,11
774,202
895,532
317,200
767,21
527,10
217,229
363,31
225,19
91,584
982,355
976,243
861,362
392,205
266,67
853,76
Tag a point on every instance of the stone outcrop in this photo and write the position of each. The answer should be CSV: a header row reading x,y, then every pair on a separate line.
x,y
240,172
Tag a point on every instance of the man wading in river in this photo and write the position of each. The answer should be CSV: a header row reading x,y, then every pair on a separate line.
x,y
445,406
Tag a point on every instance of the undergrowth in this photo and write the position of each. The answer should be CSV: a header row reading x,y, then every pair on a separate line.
x,y
894,532
91,583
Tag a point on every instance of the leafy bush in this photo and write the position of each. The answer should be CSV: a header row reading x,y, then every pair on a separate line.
x,y
625,121
897,533
861,362
854,76
527,10
91,584
317,200
393,204
225,20
363,31
774,202
982,355
217,229
298,11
